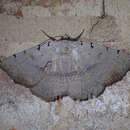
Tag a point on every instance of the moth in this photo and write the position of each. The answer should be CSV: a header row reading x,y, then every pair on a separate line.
x,y
67,67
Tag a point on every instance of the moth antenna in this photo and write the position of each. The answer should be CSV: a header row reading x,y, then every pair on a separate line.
x,y
52,38
77,38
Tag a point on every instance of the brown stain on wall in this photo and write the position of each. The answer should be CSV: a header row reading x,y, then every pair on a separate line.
x,y
52,3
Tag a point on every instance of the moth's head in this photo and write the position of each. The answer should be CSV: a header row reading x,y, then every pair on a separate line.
x,y
65,37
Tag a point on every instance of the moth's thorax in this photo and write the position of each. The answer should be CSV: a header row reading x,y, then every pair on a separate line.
x,y
64,62
64,51
65,47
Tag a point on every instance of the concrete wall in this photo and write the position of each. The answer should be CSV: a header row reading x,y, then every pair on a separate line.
x,y
58,17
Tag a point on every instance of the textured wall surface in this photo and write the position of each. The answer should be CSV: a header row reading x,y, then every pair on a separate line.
x,y
106,22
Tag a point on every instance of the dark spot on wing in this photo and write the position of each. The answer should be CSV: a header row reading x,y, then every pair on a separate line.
x,y
118,51
14,55
39,47
92,45
48,44
81,43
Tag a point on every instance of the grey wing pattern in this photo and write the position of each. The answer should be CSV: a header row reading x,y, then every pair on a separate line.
x,y
26,67
103,67
67,68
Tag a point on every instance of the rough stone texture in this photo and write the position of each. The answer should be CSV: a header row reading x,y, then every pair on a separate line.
x,y
117,8
44,8
121,10
106,30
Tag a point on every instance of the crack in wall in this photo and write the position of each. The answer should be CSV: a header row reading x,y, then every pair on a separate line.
x,y
94,25
103,15
104,28
103,9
